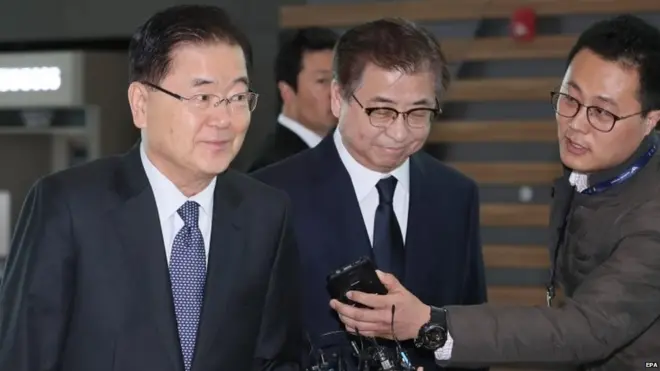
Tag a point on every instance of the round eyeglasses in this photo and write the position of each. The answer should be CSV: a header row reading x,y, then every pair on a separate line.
x,y
417,118
599,118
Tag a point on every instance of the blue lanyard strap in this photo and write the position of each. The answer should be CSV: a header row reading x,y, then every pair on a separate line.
x,y
632,170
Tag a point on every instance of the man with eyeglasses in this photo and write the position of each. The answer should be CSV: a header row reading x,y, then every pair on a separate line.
x,y
161,259
604,227
368,190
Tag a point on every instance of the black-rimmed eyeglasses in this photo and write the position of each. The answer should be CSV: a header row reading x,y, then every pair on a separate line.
x,y
381,117
236,104
599,118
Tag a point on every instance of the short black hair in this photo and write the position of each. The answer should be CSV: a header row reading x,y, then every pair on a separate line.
x,y
293,46
633,42
392,44
152,43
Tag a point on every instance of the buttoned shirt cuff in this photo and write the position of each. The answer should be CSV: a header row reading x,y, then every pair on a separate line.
x,y
444,353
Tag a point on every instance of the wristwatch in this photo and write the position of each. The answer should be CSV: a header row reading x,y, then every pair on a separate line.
x,y
433,334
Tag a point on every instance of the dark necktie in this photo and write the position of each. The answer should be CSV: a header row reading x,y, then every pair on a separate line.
x,y
388,240
188,275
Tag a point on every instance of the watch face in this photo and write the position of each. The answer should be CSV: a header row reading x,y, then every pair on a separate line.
x,y
434,337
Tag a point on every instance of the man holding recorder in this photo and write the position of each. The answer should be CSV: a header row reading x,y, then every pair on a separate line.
x,y
604,224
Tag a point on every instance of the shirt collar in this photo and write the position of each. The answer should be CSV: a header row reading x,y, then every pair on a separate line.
x,y
309,137
168,197
579,181
364,179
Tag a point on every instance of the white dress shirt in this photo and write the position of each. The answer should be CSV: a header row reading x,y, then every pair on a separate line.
x,y
309,137
579,181
364,183
444,353
169,199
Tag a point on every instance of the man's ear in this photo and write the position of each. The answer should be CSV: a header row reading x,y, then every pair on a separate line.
x,y
652,120
138,95
286,92
335,98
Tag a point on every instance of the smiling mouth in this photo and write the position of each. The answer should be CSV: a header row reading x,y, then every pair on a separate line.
x,y
393,149
218,143
575,144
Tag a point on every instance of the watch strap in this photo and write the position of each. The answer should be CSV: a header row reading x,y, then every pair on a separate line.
x,y
439,316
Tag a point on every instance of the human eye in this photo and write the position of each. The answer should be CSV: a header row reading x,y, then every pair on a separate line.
x,y
202,100
420,113
602,114
240,98
382,113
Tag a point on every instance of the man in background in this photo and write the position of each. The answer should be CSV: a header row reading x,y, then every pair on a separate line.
x,y
161,259
604,228
303,70
369,190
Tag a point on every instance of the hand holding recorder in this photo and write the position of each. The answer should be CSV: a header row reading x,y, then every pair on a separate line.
x,y
363,297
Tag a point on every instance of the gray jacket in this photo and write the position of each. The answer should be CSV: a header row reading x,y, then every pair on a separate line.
x,y
608,265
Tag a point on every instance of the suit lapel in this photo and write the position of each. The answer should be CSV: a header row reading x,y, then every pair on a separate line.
x,y
138,227
337,202
421,257
226,246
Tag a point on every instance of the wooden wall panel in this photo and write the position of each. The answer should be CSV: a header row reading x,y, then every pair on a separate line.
x,y
340,15
506,89
514,215
493,131
511,173
503,48
516,256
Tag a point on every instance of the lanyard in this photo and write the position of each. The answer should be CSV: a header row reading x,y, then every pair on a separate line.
x,y
627,174
632,170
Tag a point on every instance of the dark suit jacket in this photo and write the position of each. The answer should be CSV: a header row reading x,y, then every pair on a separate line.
x,y
443,250
608,266
281,144
87,283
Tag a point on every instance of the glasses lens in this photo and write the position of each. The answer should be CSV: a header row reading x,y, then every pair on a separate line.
x,y
565,105
381,117
601,119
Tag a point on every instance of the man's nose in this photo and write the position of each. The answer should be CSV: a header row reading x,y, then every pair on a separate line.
x,y
398,129
220,116
581,121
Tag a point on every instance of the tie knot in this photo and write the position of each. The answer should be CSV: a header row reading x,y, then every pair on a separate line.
x,y
386,187
189,212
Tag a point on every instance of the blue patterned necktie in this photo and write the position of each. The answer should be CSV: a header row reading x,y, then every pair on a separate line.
x,y
188,275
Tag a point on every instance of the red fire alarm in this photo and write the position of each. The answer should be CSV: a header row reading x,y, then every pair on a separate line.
x,y
523,24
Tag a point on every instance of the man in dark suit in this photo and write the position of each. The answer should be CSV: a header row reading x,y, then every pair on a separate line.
x,y
367,190
604,229
303,70
156,260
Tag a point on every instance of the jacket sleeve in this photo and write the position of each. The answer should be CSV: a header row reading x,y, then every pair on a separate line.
x,y
475,288
281,340
37,289
614,304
